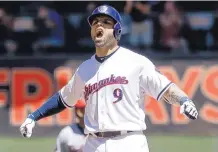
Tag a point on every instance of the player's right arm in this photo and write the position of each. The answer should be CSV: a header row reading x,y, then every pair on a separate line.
x,y
66,97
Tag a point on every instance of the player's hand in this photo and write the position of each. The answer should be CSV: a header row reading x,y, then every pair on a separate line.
x,y
188,108
27,127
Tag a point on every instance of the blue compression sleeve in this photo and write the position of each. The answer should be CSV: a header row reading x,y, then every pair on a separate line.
x,y
53,106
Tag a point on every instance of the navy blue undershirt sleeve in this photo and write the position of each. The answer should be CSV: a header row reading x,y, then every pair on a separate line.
x,y
53,106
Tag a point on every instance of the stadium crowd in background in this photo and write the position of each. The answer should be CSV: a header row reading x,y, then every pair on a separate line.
x,y
29,28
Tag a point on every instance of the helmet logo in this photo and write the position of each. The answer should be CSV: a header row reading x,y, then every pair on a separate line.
x,y
102,9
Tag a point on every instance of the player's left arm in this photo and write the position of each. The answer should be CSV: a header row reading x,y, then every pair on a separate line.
x,y
161,88
174,95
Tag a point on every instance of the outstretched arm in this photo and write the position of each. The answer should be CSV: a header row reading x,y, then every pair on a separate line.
x,y
53,106
174,95
160,87
66,97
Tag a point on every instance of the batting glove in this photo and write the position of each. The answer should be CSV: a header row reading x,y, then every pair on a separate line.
x,y
188,108
27,127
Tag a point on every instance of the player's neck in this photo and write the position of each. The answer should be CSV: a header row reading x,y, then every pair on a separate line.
x,y
101,52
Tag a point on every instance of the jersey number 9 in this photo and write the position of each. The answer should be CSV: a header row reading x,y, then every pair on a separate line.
x,y
118,94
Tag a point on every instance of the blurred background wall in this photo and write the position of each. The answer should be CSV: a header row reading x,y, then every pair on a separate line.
x,y
42,43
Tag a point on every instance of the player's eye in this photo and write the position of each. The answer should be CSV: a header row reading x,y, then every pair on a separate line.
x,y
94,22
106,21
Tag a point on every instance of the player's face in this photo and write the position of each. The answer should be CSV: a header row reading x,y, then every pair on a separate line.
x,y
102,31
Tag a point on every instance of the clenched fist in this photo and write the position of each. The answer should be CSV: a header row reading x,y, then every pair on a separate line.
x,y
27,127
188,108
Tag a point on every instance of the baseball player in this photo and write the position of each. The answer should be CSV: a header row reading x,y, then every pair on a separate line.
x,y
72,138
113,82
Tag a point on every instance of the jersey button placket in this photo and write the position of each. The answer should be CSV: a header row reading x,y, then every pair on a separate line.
x,y
102,108
100,102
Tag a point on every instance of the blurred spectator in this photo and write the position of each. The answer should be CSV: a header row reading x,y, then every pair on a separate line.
x,y
24,34
11,47
84,26
7,44
163,24
84,39
198,35
171,22
139,11
214,32
50,27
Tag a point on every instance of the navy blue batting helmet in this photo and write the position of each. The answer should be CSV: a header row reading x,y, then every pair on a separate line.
x,y
113,13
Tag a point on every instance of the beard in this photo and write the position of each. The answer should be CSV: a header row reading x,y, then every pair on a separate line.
x,y
104,41
99,42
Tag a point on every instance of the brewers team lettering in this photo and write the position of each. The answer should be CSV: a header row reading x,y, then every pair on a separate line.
x,y
92,88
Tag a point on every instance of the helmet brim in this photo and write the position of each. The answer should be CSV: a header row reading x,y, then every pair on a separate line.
x,y
92,17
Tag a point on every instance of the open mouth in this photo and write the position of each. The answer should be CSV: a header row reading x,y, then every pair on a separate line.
x,y
99,33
